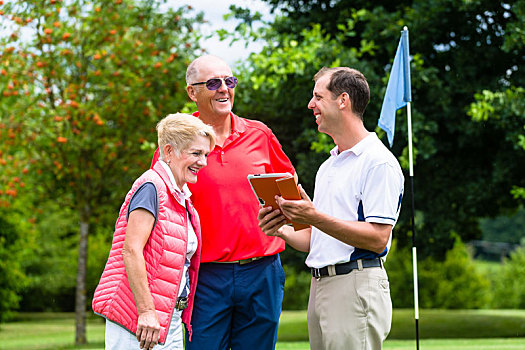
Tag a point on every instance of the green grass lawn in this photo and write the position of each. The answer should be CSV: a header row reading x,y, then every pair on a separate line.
x,y
434,344
433,324
439,329
488,267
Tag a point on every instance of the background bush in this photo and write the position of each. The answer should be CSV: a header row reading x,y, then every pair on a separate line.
x,y
454,283
509,284
296,288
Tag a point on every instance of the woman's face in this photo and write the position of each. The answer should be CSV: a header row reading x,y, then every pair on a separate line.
x,y
187,164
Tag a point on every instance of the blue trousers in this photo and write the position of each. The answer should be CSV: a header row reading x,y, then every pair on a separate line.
x,y
237,306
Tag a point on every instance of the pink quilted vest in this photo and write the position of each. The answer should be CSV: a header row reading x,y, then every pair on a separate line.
x,y
164,253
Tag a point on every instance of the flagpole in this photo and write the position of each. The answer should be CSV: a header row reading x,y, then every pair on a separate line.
x,y
411,173
414,249
398,94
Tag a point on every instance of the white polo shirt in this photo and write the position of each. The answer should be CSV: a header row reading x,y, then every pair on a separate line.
x,y
364,183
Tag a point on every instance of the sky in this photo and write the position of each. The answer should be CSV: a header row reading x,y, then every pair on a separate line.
x,y
214,10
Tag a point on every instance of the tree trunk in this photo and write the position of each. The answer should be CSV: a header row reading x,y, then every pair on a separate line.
x,y
80,297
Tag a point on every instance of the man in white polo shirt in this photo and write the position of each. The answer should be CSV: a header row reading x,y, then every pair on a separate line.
x,y
356,204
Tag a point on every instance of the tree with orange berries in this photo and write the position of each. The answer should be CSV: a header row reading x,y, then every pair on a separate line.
x,y
83,84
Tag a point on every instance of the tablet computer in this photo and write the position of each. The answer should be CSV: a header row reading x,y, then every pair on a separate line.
x,y
267,186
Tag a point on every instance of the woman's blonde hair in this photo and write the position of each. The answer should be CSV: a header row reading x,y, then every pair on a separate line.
x,y
179,130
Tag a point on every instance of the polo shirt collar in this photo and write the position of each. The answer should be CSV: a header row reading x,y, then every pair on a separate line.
x,y
238,124
180,194
358,148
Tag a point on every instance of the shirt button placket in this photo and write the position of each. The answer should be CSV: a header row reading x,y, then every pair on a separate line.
x,y
221,156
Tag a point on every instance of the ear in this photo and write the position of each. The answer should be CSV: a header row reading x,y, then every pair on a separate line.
x,y
167,151
190,89
344,100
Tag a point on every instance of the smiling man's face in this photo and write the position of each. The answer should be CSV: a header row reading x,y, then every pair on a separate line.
x,y
324,107
210,103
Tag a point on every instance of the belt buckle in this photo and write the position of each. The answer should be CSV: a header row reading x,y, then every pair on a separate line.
x,y
245,261
249,260
182,303
316,273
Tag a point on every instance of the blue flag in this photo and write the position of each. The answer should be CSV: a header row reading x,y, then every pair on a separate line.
x,y
398,89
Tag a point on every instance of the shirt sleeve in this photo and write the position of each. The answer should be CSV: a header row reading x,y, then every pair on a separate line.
x,y
279,161
145,197
382,194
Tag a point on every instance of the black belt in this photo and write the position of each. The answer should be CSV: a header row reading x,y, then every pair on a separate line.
x,y
182,303
344,268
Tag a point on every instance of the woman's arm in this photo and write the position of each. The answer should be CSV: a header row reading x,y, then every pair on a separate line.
x,y
138,230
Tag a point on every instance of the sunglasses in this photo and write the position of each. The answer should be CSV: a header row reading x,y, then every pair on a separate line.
x,y
215,83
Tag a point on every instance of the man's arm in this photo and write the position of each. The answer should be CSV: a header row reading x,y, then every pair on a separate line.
x,y
364,235
273,223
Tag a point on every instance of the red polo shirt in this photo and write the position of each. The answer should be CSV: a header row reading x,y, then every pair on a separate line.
x,y
224,199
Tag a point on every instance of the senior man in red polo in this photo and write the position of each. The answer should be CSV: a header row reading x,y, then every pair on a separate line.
x,y
241,280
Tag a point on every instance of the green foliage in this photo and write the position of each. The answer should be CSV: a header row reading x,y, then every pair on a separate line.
x,y
505,110
399,268
12,277
505,228
509,285
296,288
516,38
460,285
99,246
451,284
55,250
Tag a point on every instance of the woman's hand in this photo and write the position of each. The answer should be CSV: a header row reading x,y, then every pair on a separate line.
x,y
148,329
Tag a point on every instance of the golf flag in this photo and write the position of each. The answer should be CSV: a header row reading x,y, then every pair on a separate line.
x,y
398,89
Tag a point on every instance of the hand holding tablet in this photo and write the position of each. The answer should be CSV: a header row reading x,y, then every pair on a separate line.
x,y
267,186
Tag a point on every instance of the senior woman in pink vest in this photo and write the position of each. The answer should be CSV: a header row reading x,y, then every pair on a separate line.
x,y
147,288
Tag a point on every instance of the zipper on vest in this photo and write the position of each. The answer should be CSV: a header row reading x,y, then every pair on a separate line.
x,y
188,222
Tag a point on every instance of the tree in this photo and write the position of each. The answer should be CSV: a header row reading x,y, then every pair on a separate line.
x,y
464,170
84,84
506,110
503,110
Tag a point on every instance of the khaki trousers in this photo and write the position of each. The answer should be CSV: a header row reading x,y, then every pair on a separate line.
x,y
350,312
